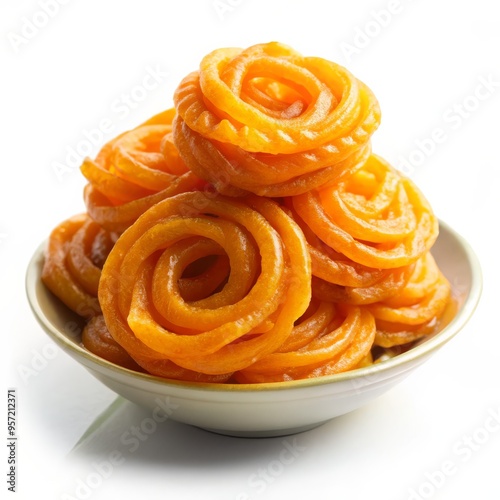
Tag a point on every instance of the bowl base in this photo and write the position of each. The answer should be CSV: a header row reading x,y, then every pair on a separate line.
x,y
264,434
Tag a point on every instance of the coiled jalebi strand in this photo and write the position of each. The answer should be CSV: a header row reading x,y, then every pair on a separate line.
x,y
250,316
376,217
270,121
97,339
340,341
75,253
415,311
336,278
133,172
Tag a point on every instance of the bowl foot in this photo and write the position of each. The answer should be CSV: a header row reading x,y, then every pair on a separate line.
x,y
264,434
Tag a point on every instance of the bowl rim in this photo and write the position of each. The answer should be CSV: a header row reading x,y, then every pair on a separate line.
x,y
33,276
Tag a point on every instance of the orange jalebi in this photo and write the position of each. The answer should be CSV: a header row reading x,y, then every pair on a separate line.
x,y
75,254
339,345
375,216
97,339
266,290
270,121
133,172
414,311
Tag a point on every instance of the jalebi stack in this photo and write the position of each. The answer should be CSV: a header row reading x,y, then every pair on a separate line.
x,y
249,234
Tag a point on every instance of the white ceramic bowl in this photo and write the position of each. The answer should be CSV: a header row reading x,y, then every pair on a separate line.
x,y
262,410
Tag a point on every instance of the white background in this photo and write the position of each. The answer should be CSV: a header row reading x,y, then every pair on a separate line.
x,y
425,63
